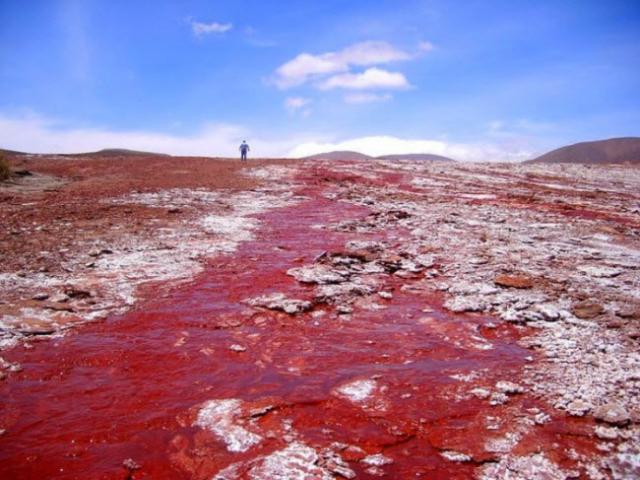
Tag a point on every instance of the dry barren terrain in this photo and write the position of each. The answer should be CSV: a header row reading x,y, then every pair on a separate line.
x,y
193,318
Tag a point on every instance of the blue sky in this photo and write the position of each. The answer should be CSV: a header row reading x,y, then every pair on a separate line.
x,y
478,80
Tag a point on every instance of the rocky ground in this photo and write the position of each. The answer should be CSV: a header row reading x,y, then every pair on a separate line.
x,y
320,319
83,236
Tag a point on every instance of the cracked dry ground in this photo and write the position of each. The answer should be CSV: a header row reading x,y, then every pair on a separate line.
x,y
389,320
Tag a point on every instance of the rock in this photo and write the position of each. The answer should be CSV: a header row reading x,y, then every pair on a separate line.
x,y
541,418
345,309
344,292
606,433
628,312
587,309
425,260
78,293
478,261
498,398
599,272
578,408
455,456
634,333
320,274
385,295
334,463
103,251
615,324
130,464
340,469
238,348
612,413
509,387
364,250
376,460
278,301
60,298
514,281
481,393
549,311
465,304
40,296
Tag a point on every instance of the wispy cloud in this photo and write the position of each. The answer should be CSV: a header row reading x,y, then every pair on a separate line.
x,y
254,38
298,104
199,29
370,79
306,66
365,97
425,46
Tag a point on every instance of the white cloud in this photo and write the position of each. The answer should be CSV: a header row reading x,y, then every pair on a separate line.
x,y
371,78
298,104
39,135
385,145
36,134
425,46
307,66
372,53
200,28
359,98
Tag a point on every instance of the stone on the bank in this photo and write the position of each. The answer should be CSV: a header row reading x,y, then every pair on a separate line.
x,y
578,408
319,274
587,310
455,456
481,393
606,433
514,281
278,301
612,413
376,460
465,304
509,387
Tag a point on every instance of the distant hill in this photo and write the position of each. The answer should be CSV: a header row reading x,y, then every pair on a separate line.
x,y
107,152
10,152
613,150
121,152
339,155
350,155
427,157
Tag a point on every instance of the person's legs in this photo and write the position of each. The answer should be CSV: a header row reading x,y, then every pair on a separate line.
x,y
244,156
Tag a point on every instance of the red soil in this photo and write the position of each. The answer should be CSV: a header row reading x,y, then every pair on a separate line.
x,y
128,387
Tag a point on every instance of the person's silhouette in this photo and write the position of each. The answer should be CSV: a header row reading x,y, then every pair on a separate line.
x,y
244,148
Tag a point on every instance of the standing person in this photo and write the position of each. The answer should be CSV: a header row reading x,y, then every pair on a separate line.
x,y
244,148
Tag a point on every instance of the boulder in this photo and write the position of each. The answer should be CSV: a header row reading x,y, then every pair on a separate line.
x,y
612,413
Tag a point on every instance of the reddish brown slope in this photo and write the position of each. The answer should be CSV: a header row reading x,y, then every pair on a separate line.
x,y
613,150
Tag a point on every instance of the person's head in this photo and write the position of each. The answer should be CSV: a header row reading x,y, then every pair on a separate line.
x,y
244,141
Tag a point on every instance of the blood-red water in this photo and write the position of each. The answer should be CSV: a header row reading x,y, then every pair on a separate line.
x,y
130,387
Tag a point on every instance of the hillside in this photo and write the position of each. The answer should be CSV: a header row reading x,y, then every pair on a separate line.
x,y
108,152
338,155
428,157
613,150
